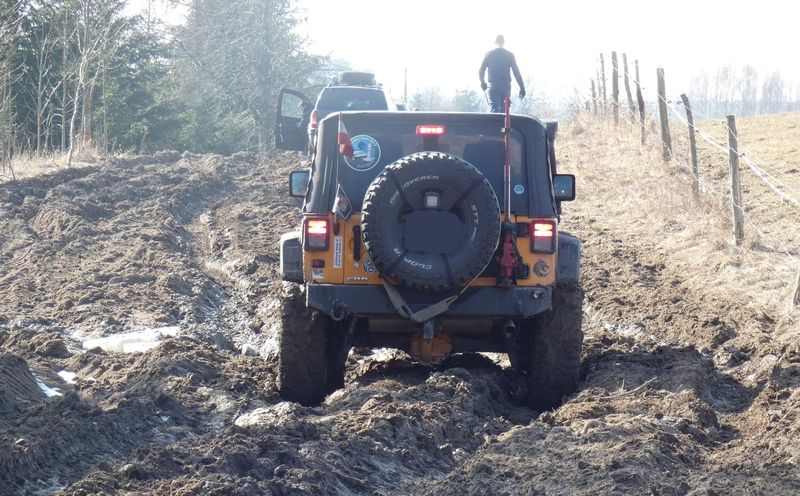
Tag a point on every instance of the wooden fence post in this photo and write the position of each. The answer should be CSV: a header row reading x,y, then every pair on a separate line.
x,y
796,295
603,82
594,98
666,138
736,185
615,87
692,146
628,87
640,101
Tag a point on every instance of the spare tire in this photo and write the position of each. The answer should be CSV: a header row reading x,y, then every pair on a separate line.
x,y
431,221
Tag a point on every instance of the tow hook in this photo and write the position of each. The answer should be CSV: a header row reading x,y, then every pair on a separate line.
x,y
338,312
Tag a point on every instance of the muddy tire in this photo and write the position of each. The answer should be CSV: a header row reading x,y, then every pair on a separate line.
x,y
555,350
312,350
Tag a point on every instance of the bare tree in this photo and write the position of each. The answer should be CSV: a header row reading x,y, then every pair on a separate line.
x,y
99,24
749,90
699,91
43,84
429,99
10,73
772,96
724,89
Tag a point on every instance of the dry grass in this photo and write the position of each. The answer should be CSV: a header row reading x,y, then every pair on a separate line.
x,y
27,165
640,196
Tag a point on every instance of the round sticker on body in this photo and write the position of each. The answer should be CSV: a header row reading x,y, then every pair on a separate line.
x,y
519,189
366,153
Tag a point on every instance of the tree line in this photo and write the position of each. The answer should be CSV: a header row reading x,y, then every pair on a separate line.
x,y
81,74
432,98
741,91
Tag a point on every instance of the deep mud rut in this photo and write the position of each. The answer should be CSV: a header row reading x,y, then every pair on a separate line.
x,y
684,391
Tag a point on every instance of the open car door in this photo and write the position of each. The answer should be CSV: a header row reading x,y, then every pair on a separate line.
x,y
291,127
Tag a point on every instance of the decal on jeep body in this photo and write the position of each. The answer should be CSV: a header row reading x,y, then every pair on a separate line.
x,y
366,153
337,252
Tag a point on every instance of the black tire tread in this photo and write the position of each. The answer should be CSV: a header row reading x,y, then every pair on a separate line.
x,y
311,353
555,349
373,238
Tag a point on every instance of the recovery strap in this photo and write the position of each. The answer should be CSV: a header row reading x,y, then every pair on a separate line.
x,y
399,304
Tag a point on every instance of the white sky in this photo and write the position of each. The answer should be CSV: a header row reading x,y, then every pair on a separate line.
x,y
557,42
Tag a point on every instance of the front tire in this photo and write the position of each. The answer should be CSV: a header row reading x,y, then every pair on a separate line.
x,y
555,350
312,350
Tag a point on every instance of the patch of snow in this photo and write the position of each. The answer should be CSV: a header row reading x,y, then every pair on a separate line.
x,y
501,359
132,342
381,355
47,390
69,377
275,415
164,418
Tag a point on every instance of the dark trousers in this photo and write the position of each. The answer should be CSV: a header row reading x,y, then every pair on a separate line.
x,y
497,97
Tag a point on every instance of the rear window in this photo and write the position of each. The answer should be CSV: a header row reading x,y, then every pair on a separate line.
x,y
352,99
485,150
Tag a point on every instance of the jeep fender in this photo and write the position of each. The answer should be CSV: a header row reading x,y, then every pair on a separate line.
x,y
568,270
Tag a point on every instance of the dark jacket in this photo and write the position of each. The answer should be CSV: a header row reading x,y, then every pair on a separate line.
x,y
500,63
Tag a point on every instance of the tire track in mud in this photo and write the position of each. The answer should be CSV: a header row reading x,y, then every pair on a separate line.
x,y
671,402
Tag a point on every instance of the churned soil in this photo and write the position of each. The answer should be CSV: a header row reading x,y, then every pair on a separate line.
x,y
687,388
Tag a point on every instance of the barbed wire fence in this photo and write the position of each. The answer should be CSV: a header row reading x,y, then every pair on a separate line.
x,y
604,107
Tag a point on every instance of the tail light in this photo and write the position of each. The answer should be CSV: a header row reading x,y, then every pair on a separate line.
x,y
543,238
316,231
313,122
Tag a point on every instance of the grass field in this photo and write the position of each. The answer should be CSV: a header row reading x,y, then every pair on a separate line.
x,y
653,200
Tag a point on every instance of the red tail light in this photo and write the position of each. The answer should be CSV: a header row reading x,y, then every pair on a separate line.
x,y
543,239
430,130
314,120
316,233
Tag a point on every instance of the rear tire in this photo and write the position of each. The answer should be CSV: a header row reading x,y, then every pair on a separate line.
x,y
312,350
555,350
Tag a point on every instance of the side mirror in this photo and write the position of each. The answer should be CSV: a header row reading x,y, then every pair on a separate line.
x,y
564,187
298,183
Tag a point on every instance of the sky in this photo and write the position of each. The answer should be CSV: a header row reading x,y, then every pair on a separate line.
x,y
556,43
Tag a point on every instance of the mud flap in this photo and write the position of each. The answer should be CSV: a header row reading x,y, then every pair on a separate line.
x,y
291,262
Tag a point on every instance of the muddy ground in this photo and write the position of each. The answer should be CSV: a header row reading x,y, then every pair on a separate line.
x,y
687,390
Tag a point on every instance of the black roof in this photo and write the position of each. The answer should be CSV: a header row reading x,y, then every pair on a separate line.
x,y
329,168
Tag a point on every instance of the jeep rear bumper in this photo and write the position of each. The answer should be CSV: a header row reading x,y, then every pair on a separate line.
x,y
372,301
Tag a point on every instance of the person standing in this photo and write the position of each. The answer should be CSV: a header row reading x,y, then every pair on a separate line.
x,y
500,63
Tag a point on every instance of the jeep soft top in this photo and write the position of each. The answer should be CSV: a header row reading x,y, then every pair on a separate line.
x,y
405,244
